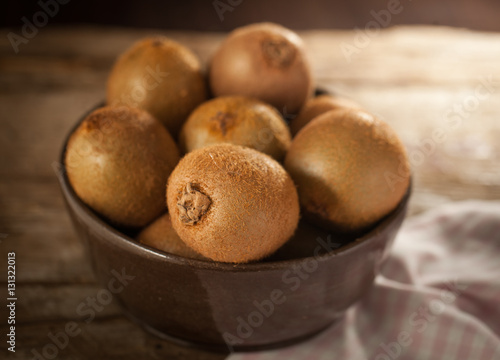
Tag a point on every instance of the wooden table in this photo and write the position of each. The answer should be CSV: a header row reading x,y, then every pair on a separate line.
x,y
438,87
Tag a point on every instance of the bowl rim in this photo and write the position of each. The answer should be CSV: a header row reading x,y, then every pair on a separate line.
x,y
124,241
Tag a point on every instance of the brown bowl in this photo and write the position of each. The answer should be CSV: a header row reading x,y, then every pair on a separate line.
x,y
231,307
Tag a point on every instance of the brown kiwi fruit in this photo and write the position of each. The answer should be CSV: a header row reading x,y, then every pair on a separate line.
x,y
160,76
317,106
161,235
265,61
118,161
350,169
237,120
231,203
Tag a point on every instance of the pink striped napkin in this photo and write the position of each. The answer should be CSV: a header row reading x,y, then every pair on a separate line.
x,y
438,296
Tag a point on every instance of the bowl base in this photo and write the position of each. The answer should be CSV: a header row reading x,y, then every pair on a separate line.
x,y
225,348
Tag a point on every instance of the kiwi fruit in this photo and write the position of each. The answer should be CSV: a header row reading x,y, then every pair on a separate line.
x,y
265,61
231,203
317,106
161,76
237,120
118,161
161,235
350,168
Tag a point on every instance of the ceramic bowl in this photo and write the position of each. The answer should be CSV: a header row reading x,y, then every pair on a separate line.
x,y
231,307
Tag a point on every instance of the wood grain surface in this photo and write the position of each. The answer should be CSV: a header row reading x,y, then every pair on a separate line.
x,y
438,87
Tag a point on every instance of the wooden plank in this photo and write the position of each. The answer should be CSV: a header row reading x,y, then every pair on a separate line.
x,y
406,56
34,127
39,231
398,55
111,338
42,303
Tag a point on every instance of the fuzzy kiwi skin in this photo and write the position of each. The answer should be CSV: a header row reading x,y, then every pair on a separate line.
x,y
237,120
266,61
118,161
161,235
317,106
350,169
160,76
251,206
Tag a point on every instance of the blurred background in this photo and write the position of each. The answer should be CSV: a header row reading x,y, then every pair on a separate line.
x,y
220,15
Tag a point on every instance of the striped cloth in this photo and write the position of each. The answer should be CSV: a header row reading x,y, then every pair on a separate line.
x,y
438,296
